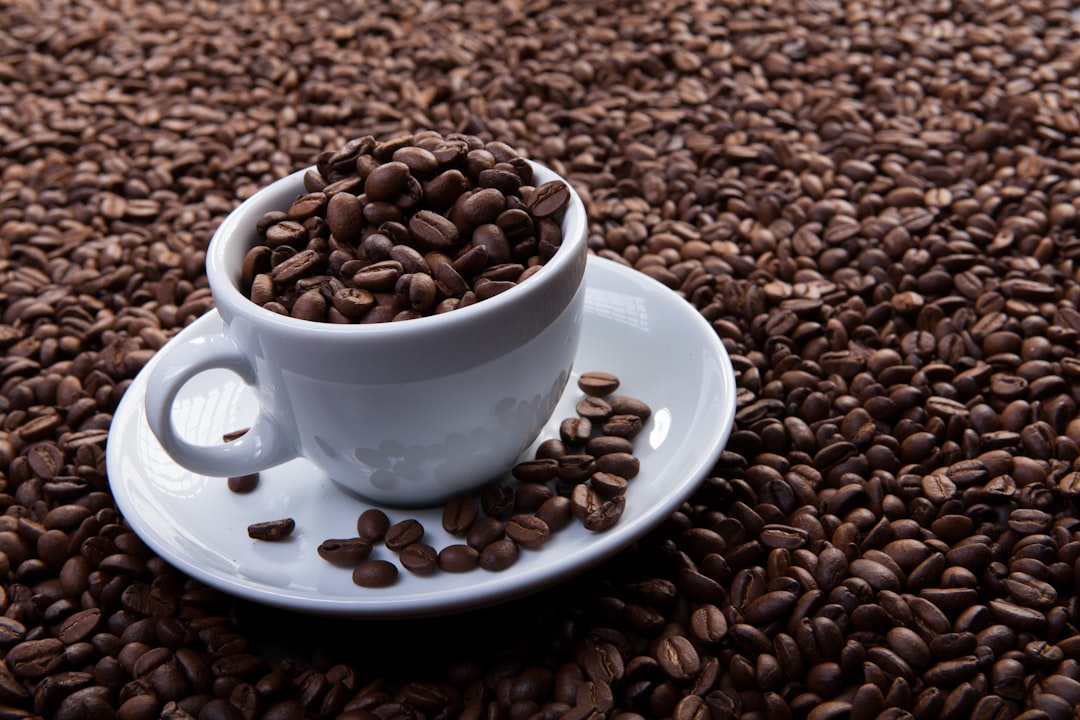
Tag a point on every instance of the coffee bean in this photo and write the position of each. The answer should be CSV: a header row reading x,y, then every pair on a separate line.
x,y
499,555
244,483
403,533
594,409
419,558
372,525
459,513
556,512
596,382
458,558
375,574
575,430
608,444
347,552
485,531
528,531
548,199
272,530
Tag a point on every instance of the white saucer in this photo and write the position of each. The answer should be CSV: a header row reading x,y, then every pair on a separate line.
x,y
664,352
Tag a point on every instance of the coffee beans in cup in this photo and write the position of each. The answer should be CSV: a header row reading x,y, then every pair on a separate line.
x,y
404,227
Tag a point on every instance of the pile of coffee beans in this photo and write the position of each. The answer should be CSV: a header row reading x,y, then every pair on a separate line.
x,y
412,225
874,204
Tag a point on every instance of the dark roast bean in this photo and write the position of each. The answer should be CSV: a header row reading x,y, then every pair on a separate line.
x,y
528,531
346,552
372,525
244,483
459,513
375,574
419,558
595,382
458,558
499,555
403,533
272,530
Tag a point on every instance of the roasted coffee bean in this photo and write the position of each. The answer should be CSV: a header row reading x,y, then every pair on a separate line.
x,y
272,530
372,525
594,409
244,483
375,574
605,515
623,464
541,470
459,513
403,533
419,558
485,531
528,531
608,485
346,552
626,426
575,430
497,501
499,555
530,496
608,444
556,512
548,199
596,382
458,558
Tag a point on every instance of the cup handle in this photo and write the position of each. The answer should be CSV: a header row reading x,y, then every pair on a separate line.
x,y
261,447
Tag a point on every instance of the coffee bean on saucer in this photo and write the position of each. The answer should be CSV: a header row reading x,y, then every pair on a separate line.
x,y
272,530
540,470
528,531
497,500
556,512
531,495
372,525
605,516
347,552
626,405
594,408
458,558
375,574
499,555
598,383
485,531
244,483
623,464
551,448
404,533
607,485
459,513
419,558
625,426
575,430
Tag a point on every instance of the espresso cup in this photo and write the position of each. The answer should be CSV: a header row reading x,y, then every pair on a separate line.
x,y
405,413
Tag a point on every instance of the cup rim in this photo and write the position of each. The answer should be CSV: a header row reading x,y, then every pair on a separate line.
x,y
241,220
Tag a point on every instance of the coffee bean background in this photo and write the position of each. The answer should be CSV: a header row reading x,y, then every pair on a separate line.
x,y
875,204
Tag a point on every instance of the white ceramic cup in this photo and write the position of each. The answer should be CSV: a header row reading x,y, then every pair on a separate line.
x,y
406,413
